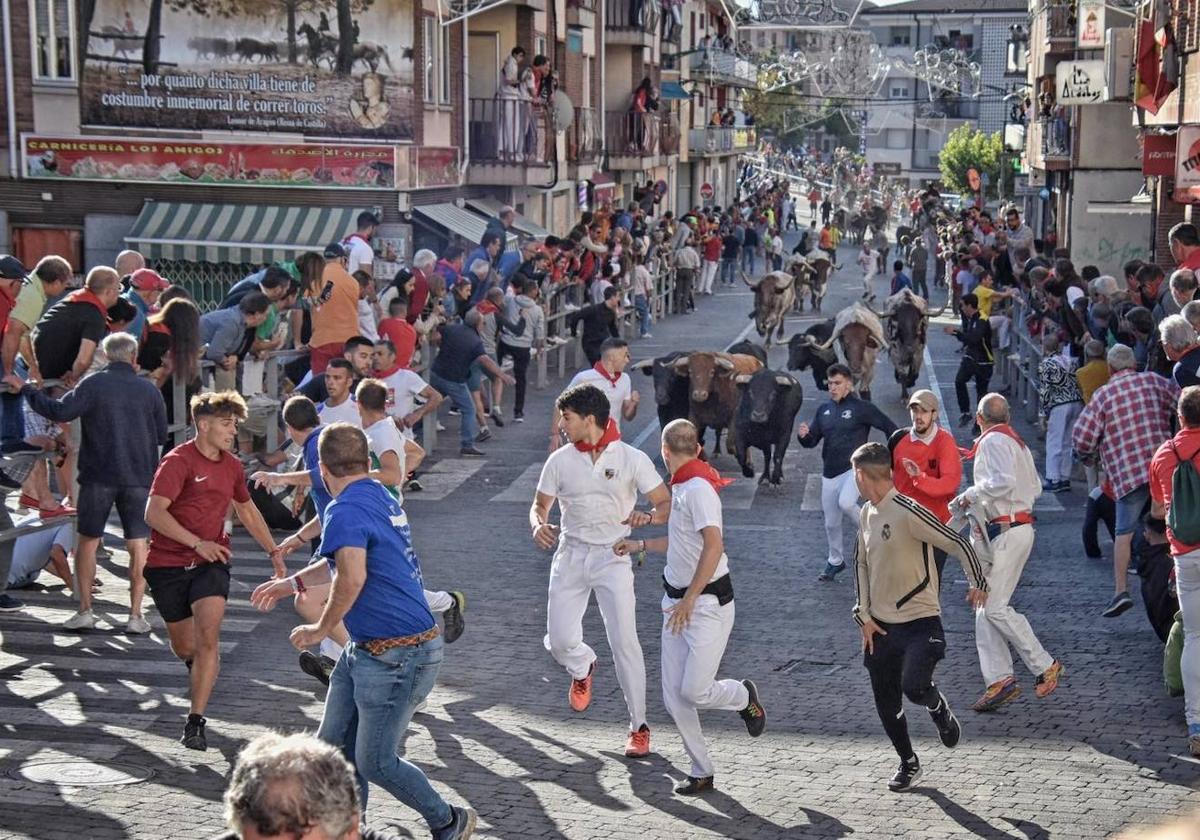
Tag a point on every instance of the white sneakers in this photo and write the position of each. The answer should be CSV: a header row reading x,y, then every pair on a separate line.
x,y
82,620
137,625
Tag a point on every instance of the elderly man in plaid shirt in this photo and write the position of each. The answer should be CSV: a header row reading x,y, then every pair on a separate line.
x,y
1126,421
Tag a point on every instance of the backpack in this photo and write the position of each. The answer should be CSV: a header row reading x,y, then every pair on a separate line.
x,y
1183,516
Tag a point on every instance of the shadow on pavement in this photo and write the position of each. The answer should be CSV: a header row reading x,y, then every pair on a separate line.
x,y
978,826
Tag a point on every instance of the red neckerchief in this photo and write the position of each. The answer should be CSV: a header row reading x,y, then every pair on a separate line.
x,y
1002,428
698,469
486,307
88,296
611,435
384,374
611,378
159,327
359,238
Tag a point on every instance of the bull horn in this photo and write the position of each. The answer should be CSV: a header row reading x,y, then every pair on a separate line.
x,y
723,362
742,378
883,316
643,365
746,280
828,343
784,380
681,363
940,310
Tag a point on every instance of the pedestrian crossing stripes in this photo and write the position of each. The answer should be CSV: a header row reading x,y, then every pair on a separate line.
x,y
443,478
523,486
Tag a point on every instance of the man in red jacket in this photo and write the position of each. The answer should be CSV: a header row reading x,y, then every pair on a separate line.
x,y
925,462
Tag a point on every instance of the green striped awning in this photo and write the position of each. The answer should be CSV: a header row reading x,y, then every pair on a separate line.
x,y
491,207
236,233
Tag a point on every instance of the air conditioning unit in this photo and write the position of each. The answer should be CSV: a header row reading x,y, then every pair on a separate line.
x,y
1118,65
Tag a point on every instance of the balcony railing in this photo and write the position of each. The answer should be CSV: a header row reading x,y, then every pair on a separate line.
x,y
630,134
586,5
632,14
509,131
725,65
1060,22
583,144
718,140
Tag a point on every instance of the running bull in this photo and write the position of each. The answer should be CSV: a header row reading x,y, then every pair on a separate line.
x,y
767,406
907,319
858,333
713,390
671,391
774,295
804,352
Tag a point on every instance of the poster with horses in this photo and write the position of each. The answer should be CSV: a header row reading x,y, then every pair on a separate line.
x,y
337,69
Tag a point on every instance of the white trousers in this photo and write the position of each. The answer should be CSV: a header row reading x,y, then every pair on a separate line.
x,y
578,570
997,624
708,273
689,674
839,497
1058,440
1187,582
1000,325
866,281
438,602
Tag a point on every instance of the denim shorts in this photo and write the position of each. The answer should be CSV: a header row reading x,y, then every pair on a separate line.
x,y
1130,508
475,377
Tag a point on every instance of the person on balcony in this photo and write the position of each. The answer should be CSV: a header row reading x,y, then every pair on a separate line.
x,y
645,99
508,94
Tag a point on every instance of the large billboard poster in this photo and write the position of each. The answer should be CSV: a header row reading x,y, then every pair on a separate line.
x,y
341,68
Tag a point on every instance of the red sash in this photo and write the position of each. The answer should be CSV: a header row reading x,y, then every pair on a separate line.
x,y
611,378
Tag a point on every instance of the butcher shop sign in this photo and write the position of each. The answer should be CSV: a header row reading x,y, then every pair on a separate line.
x,y
212,163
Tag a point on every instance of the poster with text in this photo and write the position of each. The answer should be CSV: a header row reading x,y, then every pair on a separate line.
x,y
1089,19
323,69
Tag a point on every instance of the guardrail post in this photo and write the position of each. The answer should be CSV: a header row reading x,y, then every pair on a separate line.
x,y
542,364
272,388
179,408
429,423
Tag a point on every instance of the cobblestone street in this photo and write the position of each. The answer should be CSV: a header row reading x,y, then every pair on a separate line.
x,y
1106,751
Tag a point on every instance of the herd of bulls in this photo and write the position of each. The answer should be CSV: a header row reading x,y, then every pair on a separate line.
x,y
736,393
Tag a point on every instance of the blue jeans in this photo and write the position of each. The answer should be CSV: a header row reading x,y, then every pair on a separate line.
x,y
369,705
460,396
748,260
642,306
12,410
728,266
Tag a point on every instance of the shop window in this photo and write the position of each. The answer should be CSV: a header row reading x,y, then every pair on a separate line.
x,y
52,34
429,45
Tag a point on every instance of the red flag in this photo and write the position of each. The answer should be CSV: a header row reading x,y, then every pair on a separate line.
x,y
1157,59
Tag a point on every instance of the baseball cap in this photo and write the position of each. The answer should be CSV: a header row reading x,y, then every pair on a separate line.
x,y
147,280
925,399
334,250
12,268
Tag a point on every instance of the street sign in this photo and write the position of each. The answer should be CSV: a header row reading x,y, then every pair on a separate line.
x,y
887,168
1090,25
1079,82
707,192
1158,154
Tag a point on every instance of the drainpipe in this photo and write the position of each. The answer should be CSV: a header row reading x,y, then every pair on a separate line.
x,y
600,23
10,94
466,122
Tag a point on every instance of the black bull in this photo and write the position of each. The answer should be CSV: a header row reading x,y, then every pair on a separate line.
x,y
768,402
906,334
670,389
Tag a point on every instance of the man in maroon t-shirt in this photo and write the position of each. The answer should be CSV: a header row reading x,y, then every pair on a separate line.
x,y
187,570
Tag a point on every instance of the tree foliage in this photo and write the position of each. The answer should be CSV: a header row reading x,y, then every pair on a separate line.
x,y
967,147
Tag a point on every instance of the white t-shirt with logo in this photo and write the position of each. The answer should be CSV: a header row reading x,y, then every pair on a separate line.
x,y
694,507
596,498
347,412
617,394
404,386
384,437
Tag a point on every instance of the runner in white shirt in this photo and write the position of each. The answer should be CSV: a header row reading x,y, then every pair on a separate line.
x,y
609,376
698,605
596,482
339,407
404,386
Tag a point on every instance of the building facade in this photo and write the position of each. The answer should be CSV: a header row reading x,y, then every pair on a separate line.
x,y
907,129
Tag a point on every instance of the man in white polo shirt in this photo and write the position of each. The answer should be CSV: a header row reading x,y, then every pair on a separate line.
x,y
698,604
609,376
596,482
339,407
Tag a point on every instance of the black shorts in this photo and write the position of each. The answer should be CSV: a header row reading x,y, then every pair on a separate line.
x,y
96,502
175,588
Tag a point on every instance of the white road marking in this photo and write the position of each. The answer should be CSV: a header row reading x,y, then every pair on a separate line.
x,y
443,478
523,486
812,493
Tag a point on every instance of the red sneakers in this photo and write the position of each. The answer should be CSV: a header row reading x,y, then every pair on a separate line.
x,y
61,510
638,745
580,693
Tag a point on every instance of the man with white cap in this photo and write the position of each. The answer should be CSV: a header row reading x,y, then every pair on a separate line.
x,y
925,462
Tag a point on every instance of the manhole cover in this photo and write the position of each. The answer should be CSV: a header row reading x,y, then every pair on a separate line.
x,y
82,773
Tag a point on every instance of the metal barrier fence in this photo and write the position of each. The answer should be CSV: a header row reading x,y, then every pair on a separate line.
x,y
1019,364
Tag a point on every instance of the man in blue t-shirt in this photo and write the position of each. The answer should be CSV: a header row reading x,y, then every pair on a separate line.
x,y
460,346
392,664
302,422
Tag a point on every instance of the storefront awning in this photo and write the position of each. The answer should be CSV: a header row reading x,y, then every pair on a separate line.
x,y
673,90
1119,208
236,233
491,207
458,221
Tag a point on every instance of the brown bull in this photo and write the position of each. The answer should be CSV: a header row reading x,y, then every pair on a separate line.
x,y
774,295
859,336
713,395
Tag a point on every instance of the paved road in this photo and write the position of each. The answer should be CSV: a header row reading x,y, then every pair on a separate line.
x,y
1102,753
